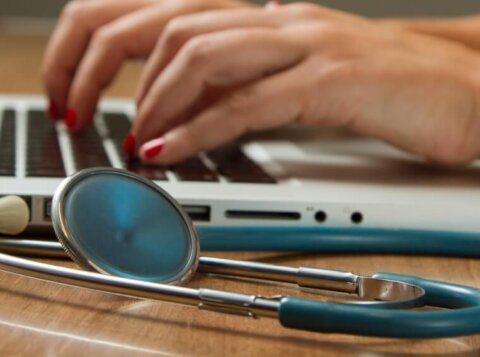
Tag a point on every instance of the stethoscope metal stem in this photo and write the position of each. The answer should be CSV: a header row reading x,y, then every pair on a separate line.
x,y
303,277
33,247
332,280
221,301
313,315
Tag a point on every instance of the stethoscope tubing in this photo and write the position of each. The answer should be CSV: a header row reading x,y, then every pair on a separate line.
x,y
292,312
462,318
340,240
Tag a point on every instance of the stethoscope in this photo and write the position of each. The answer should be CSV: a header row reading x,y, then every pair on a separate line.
x,y
136,240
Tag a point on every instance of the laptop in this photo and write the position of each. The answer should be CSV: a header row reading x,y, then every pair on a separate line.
x,y
290,177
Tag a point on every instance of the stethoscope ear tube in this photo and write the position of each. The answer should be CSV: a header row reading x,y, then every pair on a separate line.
x,y
332,317
340,240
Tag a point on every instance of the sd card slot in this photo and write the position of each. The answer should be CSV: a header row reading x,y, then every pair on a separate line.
x,y
263,215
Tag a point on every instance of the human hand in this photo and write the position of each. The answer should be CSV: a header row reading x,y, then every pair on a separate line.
x,y
94,38
311,65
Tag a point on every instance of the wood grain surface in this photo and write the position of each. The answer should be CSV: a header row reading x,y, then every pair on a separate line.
x,y
44,319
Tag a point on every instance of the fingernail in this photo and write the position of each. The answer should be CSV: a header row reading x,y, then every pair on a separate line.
x,y
153,148
129,145
273,4
53,110
70,118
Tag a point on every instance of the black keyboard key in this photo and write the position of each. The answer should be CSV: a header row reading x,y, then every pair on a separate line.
x,y
148,171
118,126
7,171
235,166
88,150
194,170
7,144
45,172
43,150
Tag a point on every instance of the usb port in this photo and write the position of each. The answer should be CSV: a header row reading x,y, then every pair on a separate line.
x,y
198,213
47,209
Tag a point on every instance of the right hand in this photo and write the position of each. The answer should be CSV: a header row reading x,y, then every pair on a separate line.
x,y
307,64
94,38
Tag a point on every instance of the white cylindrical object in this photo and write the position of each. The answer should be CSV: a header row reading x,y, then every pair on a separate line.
x,y
14,215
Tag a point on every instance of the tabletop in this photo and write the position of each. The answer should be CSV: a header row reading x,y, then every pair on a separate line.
x,y
41,318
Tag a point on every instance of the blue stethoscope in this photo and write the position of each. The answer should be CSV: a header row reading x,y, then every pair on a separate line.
x,y
137,241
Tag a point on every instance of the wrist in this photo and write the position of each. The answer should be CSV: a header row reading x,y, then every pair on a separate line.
x,y
460,30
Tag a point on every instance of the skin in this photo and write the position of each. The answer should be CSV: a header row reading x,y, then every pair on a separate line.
x,y
214,75
462,30
94,38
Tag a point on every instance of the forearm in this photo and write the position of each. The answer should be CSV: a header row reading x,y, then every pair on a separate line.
x,y
465,30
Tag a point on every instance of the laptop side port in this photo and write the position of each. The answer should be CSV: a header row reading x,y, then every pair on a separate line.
x,y
263,215
356,217
198,213
321,216
47,209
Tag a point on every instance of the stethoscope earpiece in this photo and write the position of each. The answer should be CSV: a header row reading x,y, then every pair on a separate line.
x,y
14,215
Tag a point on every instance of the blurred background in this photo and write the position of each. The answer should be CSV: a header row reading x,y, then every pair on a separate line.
x,y
374,8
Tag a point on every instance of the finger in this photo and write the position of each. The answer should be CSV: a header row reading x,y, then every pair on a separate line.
x,y
265,104
184,28
130,36
70,39
222,59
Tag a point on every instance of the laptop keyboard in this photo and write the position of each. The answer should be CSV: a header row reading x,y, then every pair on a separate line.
x,y
7,144
43,150
44,155
88,150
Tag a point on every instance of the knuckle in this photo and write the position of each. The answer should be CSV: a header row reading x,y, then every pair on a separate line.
x,y
343,70
198,50
306,10
175,33
335,43
332,33
104,37
75,10
176,28
241,101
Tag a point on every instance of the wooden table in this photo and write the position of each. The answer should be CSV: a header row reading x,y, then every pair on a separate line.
x,y
40,318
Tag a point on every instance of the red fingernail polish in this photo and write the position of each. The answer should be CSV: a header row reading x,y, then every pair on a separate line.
x,y
53,110
153,148
70,118
129,145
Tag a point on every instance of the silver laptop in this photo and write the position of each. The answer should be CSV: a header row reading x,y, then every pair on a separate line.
x,y
291,177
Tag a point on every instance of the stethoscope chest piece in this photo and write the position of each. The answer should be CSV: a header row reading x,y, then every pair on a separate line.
x,y
115,225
